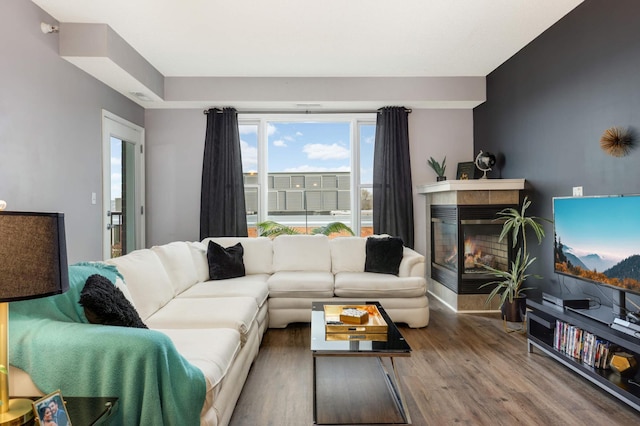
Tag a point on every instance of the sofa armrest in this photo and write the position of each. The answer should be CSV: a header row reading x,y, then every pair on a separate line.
x,y
412,264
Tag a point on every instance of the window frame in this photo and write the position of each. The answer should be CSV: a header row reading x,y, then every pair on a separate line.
x,y
355,120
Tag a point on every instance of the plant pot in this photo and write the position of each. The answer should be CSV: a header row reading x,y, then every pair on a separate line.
x,y
441,178
514,311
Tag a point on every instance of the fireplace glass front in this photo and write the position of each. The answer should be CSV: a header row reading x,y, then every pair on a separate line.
x,y
463,240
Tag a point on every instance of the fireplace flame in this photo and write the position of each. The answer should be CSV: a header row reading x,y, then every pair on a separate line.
x,y
471,254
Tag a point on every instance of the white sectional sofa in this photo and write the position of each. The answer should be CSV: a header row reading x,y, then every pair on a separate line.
x,y
218,325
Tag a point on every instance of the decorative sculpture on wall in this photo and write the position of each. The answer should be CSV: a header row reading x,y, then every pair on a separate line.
x,y
617,141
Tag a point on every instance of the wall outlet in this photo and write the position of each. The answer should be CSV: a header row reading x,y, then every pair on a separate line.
x,y
577,191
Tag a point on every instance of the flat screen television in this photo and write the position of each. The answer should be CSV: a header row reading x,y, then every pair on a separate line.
x,y
597,239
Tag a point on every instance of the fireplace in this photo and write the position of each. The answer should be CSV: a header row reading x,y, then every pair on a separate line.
x,y
462,234
463,239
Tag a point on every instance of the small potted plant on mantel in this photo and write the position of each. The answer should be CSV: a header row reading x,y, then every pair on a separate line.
x,y
438,168
509,285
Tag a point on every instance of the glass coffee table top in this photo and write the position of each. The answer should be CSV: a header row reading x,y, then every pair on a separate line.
x,y
394,344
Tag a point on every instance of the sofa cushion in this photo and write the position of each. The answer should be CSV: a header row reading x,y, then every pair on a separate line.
x,y
214,360
224,262
383,255
237,313
198,252
146,279
301,253
258,252
347,254
248,286
104,303
178,262
371,285
120,285
300,284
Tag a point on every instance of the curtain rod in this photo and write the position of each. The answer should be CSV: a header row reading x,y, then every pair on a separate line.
x,y
306,111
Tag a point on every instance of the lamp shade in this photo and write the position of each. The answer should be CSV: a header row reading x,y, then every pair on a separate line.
x,y
33,255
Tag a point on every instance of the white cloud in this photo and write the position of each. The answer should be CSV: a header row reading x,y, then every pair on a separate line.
x,y
370,139
298,133
271,129
289,138
318,151
280,143
249,154
247,129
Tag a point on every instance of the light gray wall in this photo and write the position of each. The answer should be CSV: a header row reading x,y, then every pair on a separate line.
x,y
436,133
175,145
50,128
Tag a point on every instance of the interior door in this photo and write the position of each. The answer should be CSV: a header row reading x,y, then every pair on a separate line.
x,y
123,186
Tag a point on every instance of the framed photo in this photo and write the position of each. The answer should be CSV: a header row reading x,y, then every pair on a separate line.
x,y
466,170
51,411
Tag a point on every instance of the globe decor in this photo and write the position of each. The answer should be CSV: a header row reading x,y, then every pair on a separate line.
x,y
484,162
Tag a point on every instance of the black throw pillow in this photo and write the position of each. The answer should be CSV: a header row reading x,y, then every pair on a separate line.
x,y
225,262
383,255
105,304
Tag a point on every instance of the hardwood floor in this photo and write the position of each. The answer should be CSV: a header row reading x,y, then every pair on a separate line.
x,y
464,369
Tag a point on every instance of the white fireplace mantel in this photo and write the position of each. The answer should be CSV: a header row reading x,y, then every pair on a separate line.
x,y
472,185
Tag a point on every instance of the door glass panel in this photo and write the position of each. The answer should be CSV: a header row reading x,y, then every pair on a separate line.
x,y
123,214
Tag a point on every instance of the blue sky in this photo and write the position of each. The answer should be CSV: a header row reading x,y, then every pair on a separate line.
x,y
308,147
116,168
608,226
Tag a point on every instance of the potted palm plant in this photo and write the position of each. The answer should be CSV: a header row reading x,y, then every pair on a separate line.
x,y
509,284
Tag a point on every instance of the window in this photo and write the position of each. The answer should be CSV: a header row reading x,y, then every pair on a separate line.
x,y
305,171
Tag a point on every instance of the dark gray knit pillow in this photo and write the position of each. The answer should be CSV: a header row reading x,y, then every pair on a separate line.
x,y
384,255
105,304
226,262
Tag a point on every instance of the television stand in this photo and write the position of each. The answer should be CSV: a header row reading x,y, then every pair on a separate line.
x,y
542,319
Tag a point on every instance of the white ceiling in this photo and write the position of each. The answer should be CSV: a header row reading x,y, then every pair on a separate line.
x,y
321,38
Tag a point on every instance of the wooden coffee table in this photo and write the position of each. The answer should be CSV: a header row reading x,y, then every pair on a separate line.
x,y
352,381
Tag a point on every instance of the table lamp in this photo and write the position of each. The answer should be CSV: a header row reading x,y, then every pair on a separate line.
x,y
33,264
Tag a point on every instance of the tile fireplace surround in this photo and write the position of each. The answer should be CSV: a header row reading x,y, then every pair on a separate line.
x,y
456,289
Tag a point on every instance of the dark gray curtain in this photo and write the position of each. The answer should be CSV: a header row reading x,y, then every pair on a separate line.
x,y
392,188
222,209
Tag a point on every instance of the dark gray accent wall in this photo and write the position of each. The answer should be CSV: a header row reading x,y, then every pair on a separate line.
x,y
50,128
548,106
